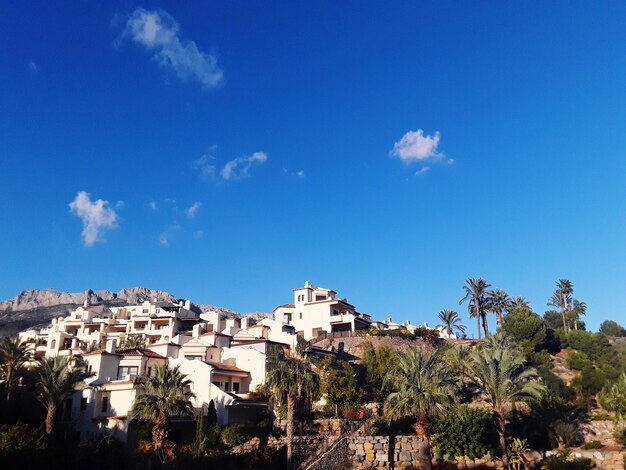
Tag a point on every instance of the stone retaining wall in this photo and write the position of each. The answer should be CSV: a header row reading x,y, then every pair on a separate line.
x,y
373,452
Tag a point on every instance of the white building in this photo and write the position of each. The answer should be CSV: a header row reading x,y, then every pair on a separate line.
x,y
316,310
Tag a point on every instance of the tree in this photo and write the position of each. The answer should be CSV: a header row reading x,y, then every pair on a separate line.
x,y
135,341
338,383
14,355
526,328
163,395
519,301
561,298
498,302
612,328
422,387
57,378
552,319
476,290
451,322
291,380
500,373
613,398
377,362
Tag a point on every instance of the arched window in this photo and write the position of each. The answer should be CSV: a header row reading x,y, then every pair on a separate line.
x,y
53,345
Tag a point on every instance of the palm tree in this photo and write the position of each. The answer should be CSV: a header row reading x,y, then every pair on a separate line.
x,y
57,379
475,292
451,322
498,302
14,355
501,375
292,380
423,386
579,309
135,341
561,298
163,395
518,302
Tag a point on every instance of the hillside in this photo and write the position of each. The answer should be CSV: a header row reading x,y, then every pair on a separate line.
x,y
35,308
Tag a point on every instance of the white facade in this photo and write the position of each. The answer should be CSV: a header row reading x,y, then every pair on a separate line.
x,y
317,310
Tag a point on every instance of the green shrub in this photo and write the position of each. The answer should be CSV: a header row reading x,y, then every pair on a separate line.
x,y
19,438
465,431
620,435
578,360
236,434
561,461
593,445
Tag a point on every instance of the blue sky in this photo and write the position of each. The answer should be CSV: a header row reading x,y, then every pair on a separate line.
x,y
387,150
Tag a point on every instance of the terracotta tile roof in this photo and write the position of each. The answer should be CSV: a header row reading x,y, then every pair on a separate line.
x,y
285,306
139,352
225,367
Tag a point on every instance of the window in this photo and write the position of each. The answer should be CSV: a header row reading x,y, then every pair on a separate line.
x,y
236,387
217,383
53,344
194,358
83,404
122,372
335,311
105,404
288,317
300,315
149,371
340,347
90,368
226,387
320,297
145,310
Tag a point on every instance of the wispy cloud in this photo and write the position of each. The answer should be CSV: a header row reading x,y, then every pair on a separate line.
x,y
158,32
32,66
422,171
97,216
414,146
164,239
191,211
205,166
153,205
240,166
166,236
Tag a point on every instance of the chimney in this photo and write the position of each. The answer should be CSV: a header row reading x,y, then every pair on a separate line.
x,y
196,331
244,323
74,343
187,304
110,346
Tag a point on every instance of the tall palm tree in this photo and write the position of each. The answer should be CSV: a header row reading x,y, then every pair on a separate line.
x,y
518,302
498,302
451,322
561,298
476,292
291,380
57,379
501,376
14,355
422,386
579,309
163,395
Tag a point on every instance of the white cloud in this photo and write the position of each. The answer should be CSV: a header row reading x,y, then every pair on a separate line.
x,y
158,31
300,174
422,171
32,66
205,165
198,234
240,167
164,239
120,204
96,216
153,205
414,146
191,211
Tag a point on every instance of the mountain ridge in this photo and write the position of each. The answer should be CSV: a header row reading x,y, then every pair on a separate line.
x,y
35,308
